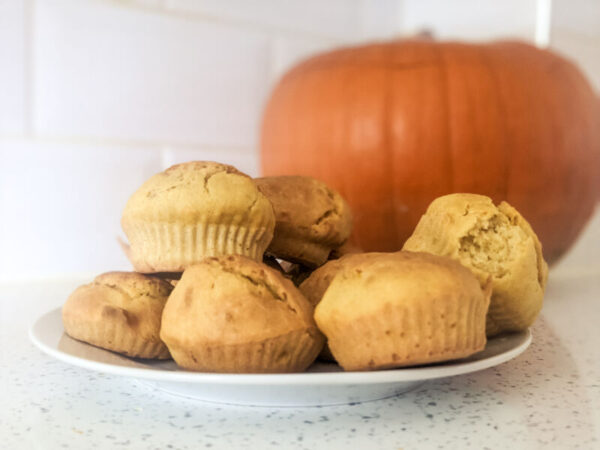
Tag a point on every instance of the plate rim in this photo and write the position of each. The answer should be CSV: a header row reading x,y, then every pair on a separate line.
x,y
399,375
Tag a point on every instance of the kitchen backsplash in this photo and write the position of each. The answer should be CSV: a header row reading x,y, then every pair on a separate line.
x,y
97,95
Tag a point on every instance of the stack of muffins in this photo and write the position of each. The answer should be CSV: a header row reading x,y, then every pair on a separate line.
x,y
218,257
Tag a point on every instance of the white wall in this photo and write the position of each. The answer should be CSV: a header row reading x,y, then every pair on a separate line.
x,y
97,95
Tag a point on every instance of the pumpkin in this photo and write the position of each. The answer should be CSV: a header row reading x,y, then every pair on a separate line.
x,y
394,125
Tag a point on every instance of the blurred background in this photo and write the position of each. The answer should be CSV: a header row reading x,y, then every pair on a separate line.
x,y
98,95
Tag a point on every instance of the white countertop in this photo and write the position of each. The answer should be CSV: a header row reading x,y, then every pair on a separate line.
x,y
549,397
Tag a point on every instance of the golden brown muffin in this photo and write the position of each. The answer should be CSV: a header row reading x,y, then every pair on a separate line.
x,y
492,241
233,314
313,288
311,218
194,210
318,281
119,311
401,309
315,285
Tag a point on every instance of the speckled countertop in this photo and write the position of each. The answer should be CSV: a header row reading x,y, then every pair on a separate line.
x,y
549,397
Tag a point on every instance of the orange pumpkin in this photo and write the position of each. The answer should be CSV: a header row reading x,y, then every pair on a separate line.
x,y
394,125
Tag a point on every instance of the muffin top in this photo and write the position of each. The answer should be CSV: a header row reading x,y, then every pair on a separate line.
x,y
133,284
363,286
319,280
306,207
136,300
198,191
233,300
487,239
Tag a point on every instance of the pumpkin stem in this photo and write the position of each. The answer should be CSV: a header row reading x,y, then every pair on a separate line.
x,y
426,34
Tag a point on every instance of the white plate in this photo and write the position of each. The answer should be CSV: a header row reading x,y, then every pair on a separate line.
x,y
323,384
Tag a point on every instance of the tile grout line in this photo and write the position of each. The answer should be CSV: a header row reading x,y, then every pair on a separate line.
x,y
248,25
99,141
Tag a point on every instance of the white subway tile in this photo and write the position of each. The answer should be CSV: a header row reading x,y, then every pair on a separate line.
x,y
471,19
289,51
62,206
379,19
578,16
245,161
113,71
332,18
12,67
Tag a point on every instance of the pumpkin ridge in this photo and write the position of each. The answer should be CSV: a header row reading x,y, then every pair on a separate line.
x,y
446,107
346,181
504,113
386,134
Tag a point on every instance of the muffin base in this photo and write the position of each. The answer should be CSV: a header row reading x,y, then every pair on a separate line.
x,y
397,337
292,352
110,331
171,247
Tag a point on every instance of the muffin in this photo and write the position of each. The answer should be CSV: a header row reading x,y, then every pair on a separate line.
x,y
492,241
318,281
315,285
401,309
233,314
121,312
194,210
311,218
